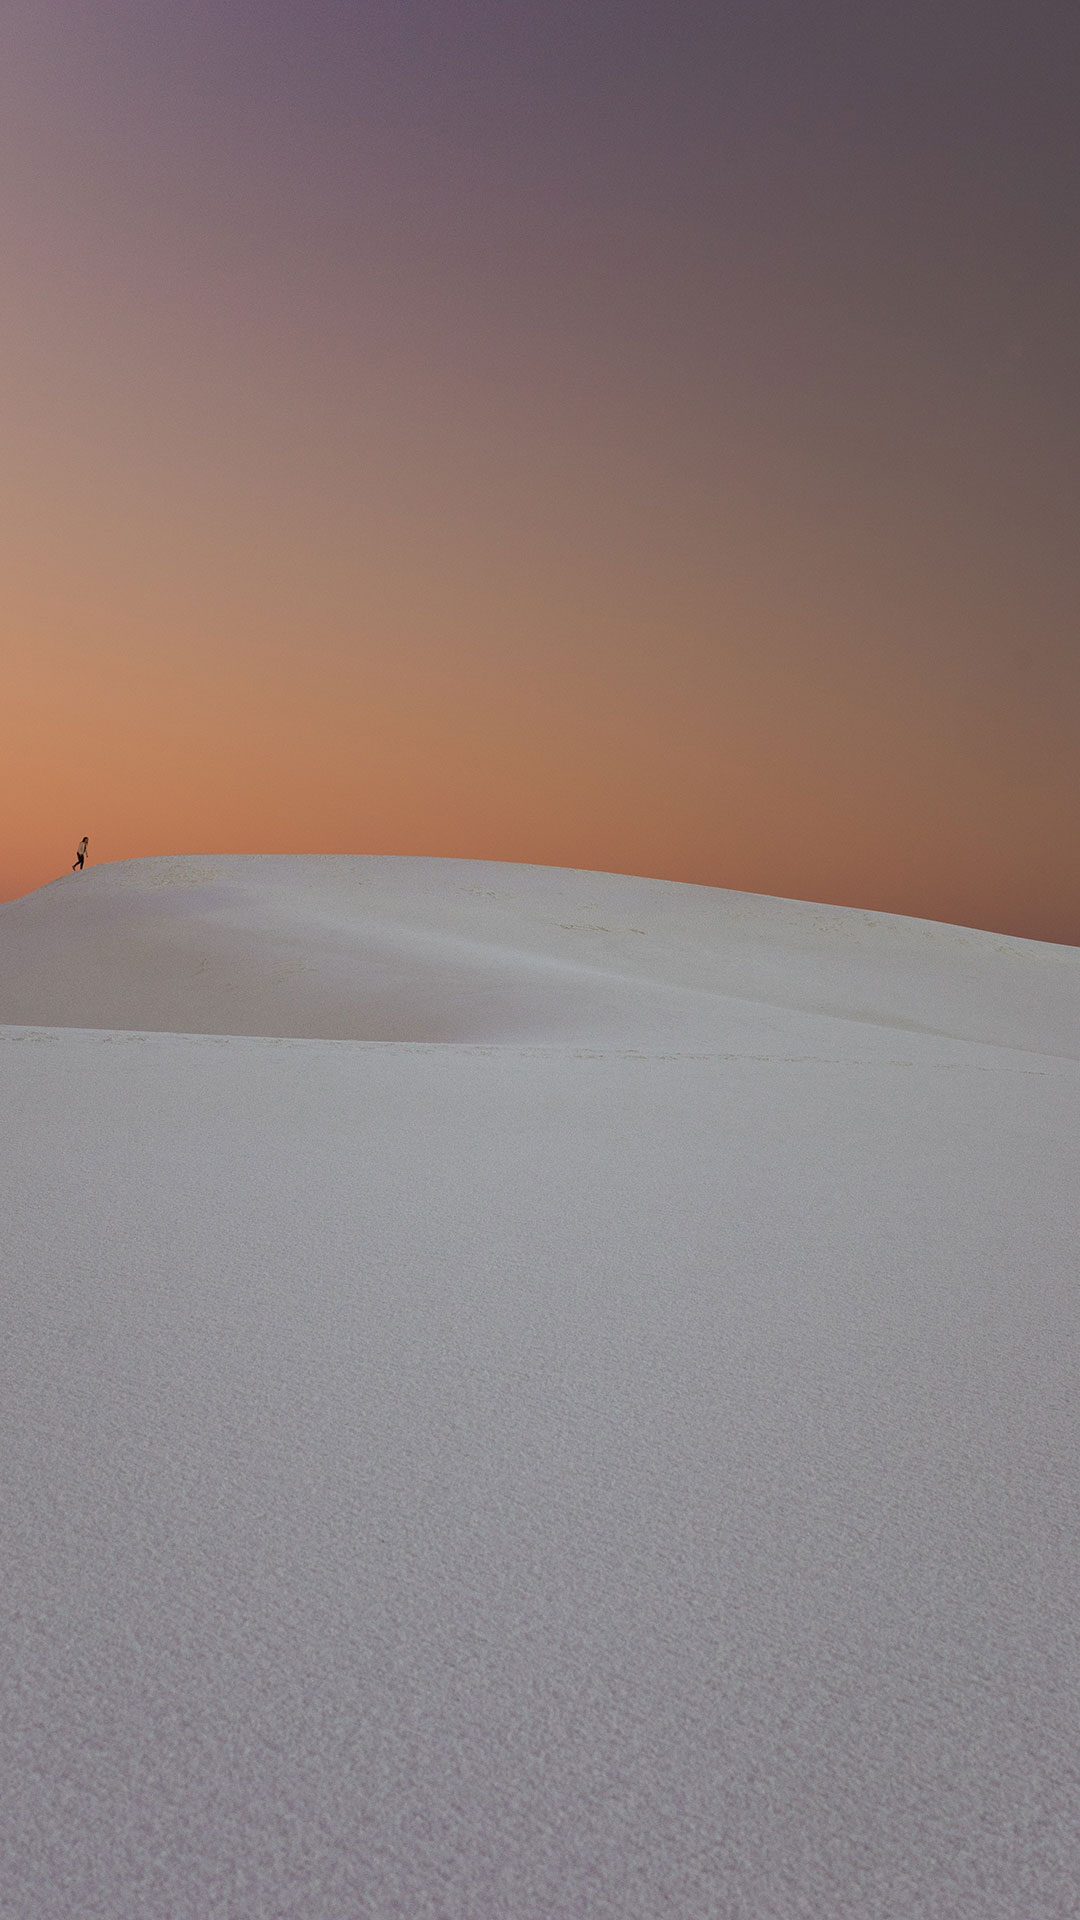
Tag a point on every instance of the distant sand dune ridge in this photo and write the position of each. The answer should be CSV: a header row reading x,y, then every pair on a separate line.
x,y
381,948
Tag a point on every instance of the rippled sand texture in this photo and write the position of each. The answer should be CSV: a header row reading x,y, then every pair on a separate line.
x,y
532,1394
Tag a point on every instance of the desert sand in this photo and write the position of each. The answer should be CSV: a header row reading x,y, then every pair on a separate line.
x,y
532,1394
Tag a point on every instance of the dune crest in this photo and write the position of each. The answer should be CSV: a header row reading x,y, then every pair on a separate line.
x,y
380,948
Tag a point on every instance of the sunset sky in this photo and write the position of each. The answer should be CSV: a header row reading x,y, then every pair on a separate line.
x,y
640,436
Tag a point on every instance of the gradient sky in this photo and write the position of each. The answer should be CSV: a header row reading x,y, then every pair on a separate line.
x,y
638,436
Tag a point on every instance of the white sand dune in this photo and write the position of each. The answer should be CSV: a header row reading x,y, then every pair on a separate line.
x,y
453,950
607,1446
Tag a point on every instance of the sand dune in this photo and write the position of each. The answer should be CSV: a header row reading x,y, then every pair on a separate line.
x,y
605,1447
370,948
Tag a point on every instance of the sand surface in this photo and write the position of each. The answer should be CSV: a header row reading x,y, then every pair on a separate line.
x,y
531,1394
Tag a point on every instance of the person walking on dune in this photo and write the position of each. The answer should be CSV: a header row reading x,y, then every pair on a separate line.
x,y
80,855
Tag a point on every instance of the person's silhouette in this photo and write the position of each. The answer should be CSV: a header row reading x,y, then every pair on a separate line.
x,y
80,855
